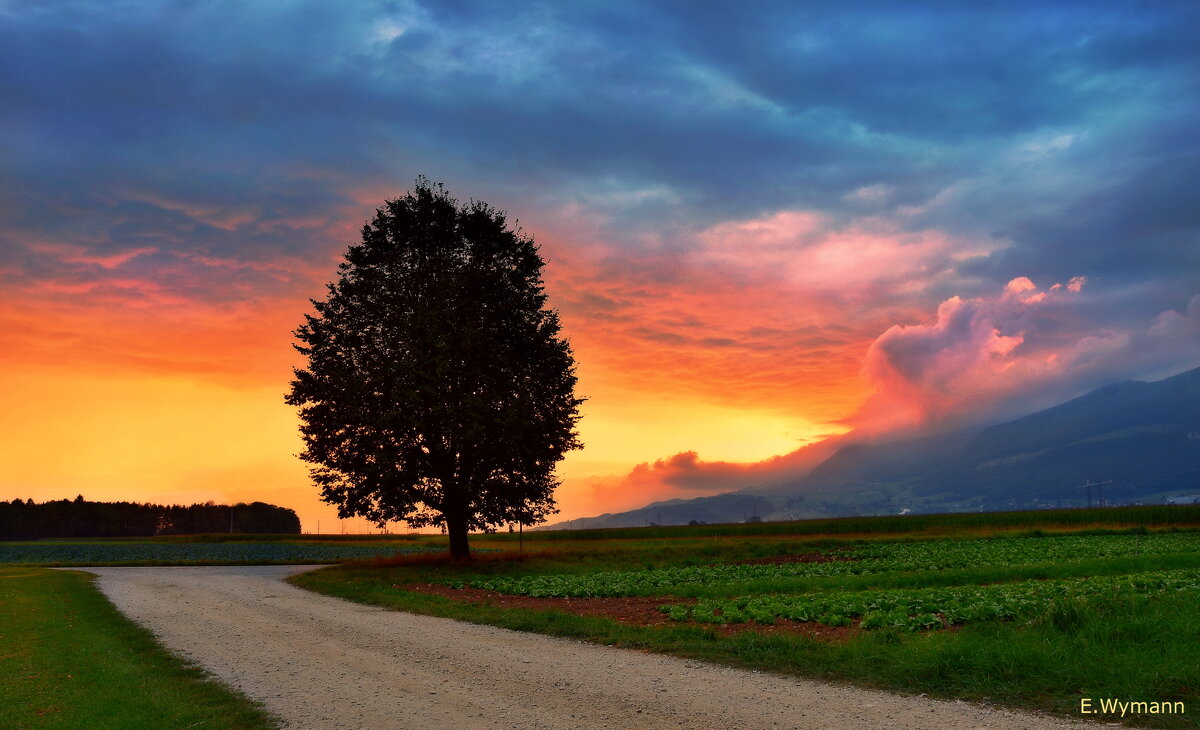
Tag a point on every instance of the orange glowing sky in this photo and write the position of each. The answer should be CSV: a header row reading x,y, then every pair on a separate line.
x,y
824,223
124,393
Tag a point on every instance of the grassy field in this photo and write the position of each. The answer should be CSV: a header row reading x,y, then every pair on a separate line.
x,y
68,659
1036,611
934,524
210,550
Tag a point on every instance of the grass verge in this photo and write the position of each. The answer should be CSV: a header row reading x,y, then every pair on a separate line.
x,y
69,659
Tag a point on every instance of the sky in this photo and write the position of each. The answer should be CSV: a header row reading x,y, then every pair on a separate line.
x,y
765,225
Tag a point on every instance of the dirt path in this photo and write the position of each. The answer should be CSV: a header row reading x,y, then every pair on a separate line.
x,y
320,662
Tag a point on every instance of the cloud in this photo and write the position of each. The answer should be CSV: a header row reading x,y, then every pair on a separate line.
x,y
673,325
864,258
686,471
662,120
685,476
985,358
729,123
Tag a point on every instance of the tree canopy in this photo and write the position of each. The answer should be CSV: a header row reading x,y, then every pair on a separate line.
x,y
438,389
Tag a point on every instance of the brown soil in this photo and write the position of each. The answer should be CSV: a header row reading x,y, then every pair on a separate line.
x,y
638,610
633,610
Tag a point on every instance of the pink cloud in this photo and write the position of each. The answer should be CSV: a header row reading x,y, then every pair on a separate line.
x,y
685,475
1019,285
989,357
662,322
746,312
808,250
687,471
110,261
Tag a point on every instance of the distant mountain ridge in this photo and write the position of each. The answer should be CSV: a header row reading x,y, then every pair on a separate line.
x,y
1142,437
728,507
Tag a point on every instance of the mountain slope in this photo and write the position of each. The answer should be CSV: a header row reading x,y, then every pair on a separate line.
x,y
728,507
1144,437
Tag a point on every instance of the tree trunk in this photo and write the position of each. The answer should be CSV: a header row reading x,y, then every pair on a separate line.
x,y
456,528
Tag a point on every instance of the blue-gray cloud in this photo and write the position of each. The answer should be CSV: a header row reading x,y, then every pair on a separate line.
x,y
1066,131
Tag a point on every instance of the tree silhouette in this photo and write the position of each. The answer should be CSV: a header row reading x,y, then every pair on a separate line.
x,y
21,520
438,390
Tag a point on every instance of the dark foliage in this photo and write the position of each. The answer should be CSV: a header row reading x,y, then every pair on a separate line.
x,y
438,390
21,520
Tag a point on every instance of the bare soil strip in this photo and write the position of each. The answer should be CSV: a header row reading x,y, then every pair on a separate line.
x,y
637,610
320,662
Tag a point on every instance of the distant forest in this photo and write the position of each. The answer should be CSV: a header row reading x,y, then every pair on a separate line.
x,y
27,520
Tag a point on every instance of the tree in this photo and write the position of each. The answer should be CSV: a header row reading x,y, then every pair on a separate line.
x,y
438,390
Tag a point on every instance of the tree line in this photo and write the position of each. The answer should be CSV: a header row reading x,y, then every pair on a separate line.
x,y
27,520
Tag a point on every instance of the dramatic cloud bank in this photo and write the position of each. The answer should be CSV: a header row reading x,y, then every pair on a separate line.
x,y
989,357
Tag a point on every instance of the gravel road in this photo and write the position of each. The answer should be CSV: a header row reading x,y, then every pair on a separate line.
x,y
320,662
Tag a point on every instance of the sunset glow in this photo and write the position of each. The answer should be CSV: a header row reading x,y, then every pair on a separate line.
x,y
829,222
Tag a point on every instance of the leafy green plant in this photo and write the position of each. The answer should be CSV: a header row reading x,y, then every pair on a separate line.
x,y
870,559
1058,601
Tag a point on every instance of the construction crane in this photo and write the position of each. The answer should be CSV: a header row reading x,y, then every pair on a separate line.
x,y
1099,490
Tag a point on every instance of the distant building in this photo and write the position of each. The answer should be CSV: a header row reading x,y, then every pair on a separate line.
x,y
1189,499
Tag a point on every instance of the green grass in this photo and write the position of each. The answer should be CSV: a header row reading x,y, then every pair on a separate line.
x,y
69,659
194,553
1154,515
1111,645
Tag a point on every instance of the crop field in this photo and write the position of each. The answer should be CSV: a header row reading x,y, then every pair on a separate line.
x,y
1031,615
909,609
885,557
917,609
55,553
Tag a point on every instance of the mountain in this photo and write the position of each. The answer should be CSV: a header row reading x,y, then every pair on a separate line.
x,y
728,507
1142,440
873,462
1144,437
